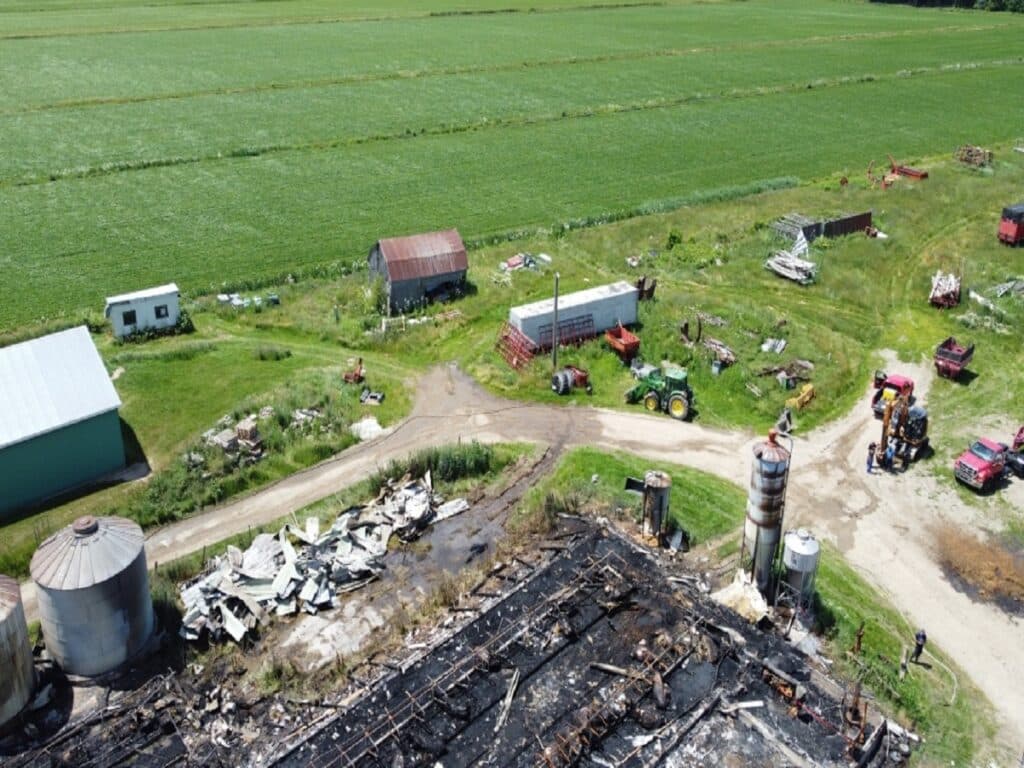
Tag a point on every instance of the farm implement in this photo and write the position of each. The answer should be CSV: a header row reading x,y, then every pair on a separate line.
x,y
951,358
1011,226
623,342
896,171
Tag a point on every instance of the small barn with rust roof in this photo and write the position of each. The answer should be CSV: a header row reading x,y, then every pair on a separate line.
x,y
419,268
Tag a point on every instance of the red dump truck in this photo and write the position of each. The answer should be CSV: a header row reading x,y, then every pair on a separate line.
x,y
981,466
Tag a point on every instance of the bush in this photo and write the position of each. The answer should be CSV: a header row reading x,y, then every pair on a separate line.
x,y
271,353
184,325
674,239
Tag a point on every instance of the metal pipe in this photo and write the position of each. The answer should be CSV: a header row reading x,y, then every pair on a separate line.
x,y
554,332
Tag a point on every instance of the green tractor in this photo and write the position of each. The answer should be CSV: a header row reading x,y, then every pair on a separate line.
x,y
666,391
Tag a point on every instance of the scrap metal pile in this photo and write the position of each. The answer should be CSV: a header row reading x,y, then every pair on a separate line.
x,y
302,569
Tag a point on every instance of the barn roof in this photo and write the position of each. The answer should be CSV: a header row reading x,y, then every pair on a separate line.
x,y
52,382
426,255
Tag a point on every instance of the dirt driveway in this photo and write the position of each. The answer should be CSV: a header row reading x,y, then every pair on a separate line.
x,y
880,522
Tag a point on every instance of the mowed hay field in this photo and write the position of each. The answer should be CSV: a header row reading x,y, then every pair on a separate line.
x,y
218,143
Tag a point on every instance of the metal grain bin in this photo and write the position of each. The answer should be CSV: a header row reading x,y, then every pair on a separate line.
x,y
17,673
93,593
800,555
766,499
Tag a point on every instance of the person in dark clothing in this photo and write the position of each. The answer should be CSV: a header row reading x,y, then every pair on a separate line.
x,y
919,640
872,447
890,453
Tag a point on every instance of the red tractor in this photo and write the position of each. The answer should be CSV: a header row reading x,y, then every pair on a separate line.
x,y
982,464
889,388
1011,227
569,378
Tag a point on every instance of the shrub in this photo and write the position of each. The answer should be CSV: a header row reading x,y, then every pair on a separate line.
x,y
271,353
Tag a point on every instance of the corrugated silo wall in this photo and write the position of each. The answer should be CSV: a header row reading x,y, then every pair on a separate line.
x,y
94,630
17,671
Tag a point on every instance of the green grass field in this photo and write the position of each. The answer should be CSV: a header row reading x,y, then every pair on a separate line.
x,y
257,138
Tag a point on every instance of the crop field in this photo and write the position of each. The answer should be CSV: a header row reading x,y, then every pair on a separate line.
x,y
231,143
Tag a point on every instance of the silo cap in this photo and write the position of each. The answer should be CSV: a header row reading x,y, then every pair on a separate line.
x,y
89,551
85,525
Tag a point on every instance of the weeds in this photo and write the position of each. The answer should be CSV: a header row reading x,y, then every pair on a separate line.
x,y
276,674
264,352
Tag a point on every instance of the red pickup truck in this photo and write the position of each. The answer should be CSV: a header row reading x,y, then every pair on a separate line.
x,y
981,465
889,387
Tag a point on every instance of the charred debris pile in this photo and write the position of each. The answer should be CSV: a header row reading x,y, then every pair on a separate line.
x,y
582,651
302,569
598,659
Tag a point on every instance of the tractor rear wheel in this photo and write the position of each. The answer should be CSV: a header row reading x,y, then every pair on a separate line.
x,y
651,401
678,407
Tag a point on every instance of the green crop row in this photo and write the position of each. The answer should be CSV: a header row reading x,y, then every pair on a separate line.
x,y
53,144
70,243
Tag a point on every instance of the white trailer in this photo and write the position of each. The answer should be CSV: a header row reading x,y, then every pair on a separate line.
x,y
139,311
606,305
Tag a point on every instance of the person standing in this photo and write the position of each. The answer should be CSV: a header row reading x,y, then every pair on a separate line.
x,y
890,454
872,447
919,640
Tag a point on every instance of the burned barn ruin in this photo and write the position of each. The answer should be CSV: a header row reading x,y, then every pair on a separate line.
x,y
586,649
598,659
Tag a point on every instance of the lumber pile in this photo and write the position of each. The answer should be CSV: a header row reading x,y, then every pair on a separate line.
x,y
792,267
791,264
945,290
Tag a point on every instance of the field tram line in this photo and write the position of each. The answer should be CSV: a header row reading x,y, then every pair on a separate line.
x,y
475,664
114,167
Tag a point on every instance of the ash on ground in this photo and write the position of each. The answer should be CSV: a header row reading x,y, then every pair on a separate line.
x,y
578,651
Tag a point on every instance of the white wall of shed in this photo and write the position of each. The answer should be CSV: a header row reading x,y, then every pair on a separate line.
x,y
145,314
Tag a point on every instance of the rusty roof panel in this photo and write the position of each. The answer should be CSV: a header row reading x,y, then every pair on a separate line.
x,y
426,255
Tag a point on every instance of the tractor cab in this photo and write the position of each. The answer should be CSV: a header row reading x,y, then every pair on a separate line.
x,y
667,390
1011,226
676,378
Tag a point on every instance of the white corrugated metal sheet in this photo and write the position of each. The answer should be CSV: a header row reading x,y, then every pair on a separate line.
x,y
52,382
147,293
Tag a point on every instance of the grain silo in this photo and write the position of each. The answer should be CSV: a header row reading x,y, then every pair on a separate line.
x,y
17,673
800,555
766,500
93,594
